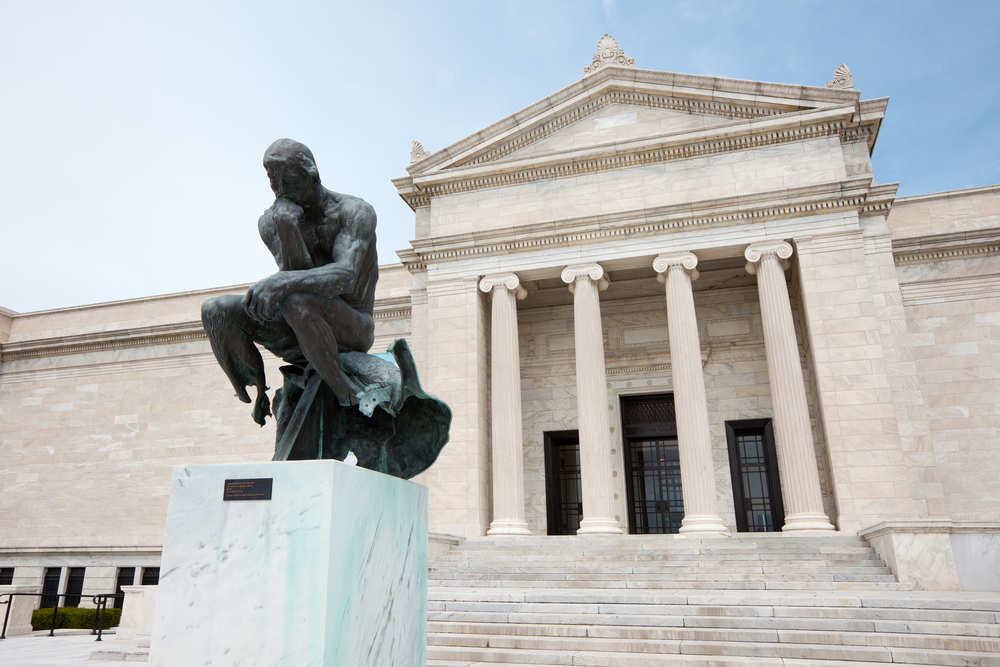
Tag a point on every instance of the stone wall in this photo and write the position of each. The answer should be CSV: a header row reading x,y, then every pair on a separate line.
x,y
948,264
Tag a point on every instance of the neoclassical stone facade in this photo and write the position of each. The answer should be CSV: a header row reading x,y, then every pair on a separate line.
x,y
655,302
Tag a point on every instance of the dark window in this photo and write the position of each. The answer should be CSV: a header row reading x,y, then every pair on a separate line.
x,y
74,586
564,503
126,577
150,576
50,587
756,485
6,576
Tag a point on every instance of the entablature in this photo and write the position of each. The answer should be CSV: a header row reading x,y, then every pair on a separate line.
x,y
847,195
946,247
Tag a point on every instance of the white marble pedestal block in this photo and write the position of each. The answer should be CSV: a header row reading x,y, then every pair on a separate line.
x,y
331,571
137,613
19,619
918,552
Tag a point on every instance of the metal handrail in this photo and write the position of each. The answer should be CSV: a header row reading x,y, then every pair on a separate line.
x,y
100,602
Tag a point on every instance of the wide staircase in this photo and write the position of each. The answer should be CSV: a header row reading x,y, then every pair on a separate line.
x,y
646,601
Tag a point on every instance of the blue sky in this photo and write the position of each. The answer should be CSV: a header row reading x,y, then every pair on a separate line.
x,y
135,130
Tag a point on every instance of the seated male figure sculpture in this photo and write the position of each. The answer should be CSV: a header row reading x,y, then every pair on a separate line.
x,y
317,314
322,298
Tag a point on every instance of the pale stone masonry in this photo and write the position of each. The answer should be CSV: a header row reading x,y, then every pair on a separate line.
x,y
861,345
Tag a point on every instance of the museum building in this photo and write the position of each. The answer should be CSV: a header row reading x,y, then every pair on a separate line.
x,y
656,303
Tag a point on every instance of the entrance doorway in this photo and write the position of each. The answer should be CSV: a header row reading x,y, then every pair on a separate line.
x,y
756,485
652,464
564,499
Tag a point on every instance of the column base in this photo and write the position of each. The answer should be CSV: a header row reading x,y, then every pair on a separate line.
x,y
807,522
515,527
703,524
599,527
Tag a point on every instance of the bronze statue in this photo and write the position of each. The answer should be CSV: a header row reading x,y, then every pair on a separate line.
x,y
316,314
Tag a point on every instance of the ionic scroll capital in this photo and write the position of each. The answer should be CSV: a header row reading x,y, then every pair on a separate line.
x,y
594,272
507,281
757,251
685,261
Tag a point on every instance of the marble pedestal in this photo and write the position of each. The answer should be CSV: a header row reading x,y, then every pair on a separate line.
x,y
331,571
137,614
19,617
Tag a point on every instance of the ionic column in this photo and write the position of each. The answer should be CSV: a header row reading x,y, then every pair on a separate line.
x,y
585,281
508,462
701,512
793,432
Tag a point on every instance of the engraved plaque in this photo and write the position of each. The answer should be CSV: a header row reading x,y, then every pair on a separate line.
x,y
248,489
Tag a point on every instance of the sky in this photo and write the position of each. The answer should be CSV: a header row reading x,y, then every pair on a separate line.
x,y
135,129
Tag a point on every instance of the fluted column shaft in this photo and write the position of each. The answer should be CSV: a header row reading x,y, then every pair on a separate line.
x,y
585,281
694,443
508,460
800,487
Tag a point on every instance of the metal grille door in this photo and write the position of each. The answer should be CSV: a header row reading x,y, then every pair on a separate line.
x,y
74,586
655,480
652,464
756,485
564,499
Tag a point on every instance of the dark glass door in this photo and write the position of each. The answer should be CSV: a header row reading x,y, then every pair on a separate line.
x,y
756,485
652,464
564,502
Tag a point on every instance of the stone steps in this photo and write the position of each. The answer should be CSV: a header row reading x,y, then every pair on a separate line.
x,y
636,602
849,585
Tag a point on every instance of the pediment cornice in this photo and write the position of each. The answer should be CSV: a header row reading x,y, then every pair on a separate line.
x,y
854,194
839,121
685,92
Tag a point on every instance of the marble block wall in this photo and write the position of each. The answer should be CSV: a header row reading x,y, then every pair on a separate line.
x,y
853,389
331,571
954,325
456,322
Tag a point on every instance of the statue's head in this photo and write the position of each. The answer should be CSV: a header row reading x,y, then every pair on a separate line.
x,y
292,170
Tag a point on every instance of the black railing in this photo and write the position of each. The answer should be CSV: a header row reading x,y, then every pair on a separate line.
x,y
100,603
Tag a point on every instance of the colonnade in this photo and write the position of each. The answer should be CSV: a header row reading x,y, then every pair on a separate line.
x,y
793,433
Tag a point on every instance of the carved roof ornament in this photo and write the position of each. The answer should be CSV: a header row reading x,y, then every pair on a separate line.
x,y
609,54
418,152
841,79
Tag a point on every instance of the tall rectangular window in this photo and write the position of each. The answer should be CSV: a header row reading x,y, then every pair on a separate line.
x,y
6,576
74,586
126,577
564,499
756,485
150,576
50,587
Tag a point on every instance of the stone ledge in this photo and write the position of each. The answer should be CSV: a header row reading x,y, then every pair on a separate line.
x,y
906,526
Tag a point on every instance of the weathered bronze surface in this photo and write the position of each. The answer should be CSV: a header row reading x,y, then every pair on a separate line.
x,y
316,313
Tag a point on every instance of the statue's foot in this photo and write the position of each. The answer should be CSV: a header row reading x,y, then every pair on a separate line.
x,y
261,407
241,393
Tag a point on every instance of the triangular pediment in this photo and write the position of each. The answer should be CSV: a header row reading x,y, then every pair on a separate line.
x,y
621,117
597,109
619,122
